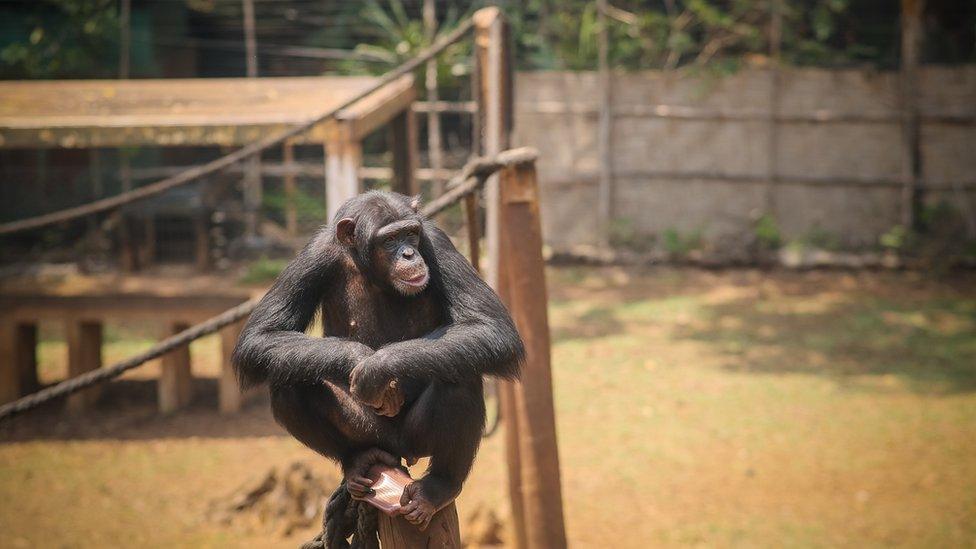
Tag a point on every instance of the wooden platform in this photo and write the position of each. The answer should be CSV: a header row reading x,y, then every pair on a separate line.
x,y
86,307
187,112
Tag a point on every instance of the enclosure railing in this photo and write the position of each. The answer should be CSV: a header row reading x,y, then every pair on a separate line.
x,y
469,180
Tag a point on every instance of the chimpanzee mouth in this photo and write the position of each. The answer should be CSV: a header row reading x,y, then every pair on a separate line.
x,y
417,281
412,282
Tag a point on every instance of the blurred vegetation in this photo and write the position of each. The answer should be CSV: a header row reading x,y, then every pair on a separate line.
x,y
263,270
79,38
59,39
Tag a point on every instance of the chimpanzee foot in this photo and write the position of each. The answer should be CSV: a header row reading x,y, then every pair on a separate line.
x,y
358,485
418,506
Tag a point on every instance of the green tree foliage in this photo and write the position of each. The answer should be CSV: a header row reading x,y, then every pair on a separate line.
x,y
674,33
60,38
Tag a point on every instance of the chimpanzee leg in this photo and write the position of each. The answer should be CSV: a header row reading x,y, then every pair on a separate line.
x,y
446,423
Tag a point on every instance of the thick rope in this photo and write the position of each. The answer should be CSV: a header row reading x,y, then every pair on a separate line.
x,y
243,153
470,179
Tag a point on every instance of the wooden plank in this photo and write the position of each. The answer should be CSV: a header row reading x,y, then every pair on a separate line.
x,y
183,112
84,355
533,408
403,144
175,387
443,532
32,307
228,390
372,112
343,159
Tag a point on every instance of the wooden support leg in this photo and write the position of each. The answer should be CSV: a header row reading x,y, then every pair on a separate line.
x,y
175,388
229,391
18,360
26,357
84,355
291,212
403,143
343,158
443,531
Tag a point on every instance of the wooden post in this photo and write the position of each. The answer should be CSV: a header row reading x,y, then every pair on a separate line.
x,y
534,413
343,158
473,223
175,388
605,134
775,84
403,143
229,392
253,192
291,212
493,96
443,532
84,355
434,147
911,41
18,360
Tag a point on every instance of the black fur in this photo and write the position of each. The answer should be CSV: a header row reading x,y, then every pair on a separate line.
x,y
434,347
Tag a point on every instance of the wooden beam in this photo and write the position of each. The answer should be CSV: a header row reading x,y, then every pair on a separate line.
x,y
533,409
403,144
84,355
175,387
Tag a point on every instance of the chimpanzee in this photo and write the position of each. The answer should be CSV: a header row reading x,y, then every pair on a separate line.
x,y
409,331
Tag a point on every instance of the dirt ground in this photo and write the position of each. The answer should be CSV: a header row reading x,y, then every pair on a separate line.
x,y
695,408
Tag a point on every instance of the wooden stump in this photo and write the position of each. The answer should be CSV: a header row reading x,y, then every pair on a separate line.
x,y
175,387
442,533
84,355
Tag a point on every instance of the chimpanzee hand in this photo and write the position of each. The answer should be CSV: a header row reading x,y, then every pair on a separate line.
x,y
358,485
373,383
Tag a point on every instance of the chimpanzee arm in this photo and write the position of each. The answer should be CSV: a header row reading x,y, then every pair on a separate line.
x,y
479,338
273,345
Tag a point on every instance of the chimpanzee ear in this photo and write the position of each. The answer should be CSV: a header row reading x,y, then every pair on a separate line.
x,y
345,231
415,203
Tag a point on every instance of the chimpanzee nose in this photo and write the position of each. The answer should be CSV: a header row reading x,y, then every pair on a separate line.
x,y
408,253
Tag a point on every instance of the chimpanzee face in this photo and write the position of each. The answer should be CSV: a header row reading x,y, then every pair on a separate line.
x,y
396,252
